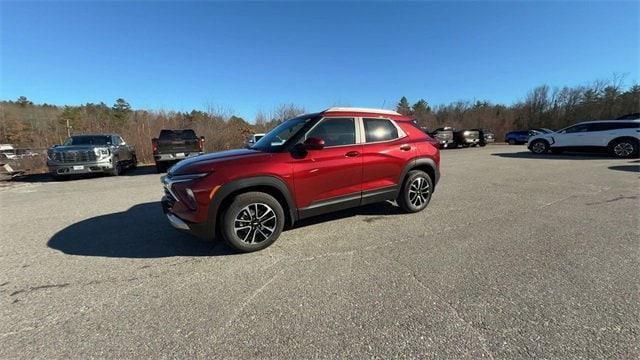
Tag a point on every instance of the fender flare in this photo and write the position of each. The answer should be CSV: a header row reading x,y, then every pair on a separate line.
x,y
420,162
263,180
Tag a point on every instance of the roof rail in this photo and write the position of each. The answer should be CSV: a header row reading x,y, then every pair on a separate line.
x,y
363,110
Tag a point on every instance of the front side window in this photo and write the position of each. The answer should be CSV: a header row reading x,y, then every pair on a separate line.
x,y
276,138
576,129
379,130
335,131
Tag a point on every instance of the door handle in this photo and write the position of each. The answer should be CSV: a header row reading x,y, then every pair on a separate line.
x,y
352,154
405,147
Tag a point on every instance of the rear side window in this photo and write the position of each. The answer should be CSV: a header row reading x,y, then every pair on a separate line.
x,y
335,131
379,130
171,135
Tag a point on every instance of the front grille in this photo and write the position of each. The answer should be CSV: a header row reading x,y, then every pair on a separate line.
x,y
75,156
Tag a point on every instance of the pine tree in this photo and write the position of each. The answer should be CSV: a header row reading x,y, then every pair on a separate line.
x,y
421,111
403,106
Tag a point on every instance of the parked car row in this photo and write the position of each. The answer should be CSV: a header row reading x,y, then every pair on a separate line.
x,y
448,137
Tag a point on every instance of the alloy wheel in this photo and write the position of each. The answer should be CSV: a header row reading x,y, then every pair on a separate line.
x,y
419,192
538,147
255,223
623,149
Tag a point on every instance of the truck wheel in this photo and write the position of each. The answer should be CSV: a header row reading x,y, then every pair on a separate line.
x,y
252,222
416,191
160,168
624,148
116,170
134,162
512,142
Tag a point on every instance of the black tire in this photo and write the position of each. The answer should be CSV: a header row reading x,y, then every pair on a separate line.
x,y
624,148
116,170
483,145
512,142
134,162
411,201
539,146
241,211
160,168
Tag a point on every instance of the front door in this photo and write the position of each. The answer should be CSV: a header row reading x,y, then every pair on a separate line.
x,y
330,178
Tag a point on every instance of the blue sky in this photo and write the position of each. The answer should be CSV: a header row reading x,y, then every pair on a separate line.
x,y
253,56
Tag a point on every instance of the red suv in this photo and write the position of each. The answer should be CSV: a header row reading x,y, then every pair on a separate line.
x,y
310,165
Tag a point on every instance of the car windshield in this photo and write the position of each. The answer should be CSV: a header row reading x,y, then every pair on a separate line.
x,y
88,140
276,138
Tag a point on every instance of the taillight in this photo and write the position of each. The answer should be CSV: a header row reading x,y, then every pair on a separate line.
x,y
154,145
201,144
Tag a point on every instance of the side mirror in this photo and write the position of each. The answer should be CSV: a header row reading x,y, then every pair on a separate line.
x,y
313,143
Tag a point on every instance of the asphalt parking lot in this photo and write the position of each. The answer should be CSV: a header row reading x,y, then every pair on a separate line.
x,y
517,256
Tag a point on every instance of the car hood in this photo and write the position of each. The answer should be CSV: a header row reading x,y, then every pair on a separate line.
x,y
194,164
77,147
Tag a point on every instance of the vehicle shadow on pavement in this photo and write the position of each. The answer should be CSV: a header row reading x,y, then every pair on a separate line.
x,y
46,177
140,232
629,168
373,211
563,156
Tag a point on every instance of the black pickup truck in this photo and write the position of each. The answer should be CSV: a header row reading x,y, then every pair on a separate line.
x,y
174,145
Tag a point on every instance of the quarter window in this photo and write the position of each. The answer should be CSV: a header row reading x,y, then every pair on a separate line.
x,y
335,131
379,130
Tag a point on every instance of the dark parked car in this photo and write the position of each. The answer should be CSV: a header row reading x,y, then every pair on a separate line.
x,y
486,136
444,137
466,137
516,137
174,145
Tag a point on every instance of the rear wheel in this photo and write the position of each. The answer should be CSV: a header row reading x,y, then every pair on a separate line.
x,y
252,222
512,142
624,148
160,168
539,146
416,191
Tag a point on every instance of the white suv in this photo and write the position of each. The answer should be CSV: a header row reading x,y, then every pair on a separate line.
x,y
619,137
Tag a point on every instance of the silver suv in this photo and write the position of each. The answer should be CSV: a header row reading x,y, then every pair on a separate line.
x,y
82,154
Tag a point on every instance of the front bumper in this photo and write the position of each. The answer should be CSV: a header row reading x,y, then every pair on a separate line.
x,y
79,168
204,230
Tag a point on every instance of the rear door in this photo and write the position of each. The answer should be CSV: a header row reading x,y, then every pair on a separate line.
x,y
330,178
386,151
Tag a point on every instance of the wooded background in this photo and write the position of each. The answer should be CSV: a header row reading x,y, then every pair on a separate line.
x,y
28,125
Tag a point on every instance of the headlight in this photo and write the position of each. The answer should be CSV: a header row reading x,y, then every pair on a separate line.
x,y
102,153
467,133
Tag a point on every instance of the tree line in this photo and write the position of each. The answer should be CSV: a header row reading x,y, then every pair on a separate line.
x,y
30,125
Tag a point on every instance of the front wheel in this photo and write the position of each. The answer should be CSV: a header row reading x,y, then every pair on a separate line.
x,y
252,222
416,191
116,169
539,146
624,148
